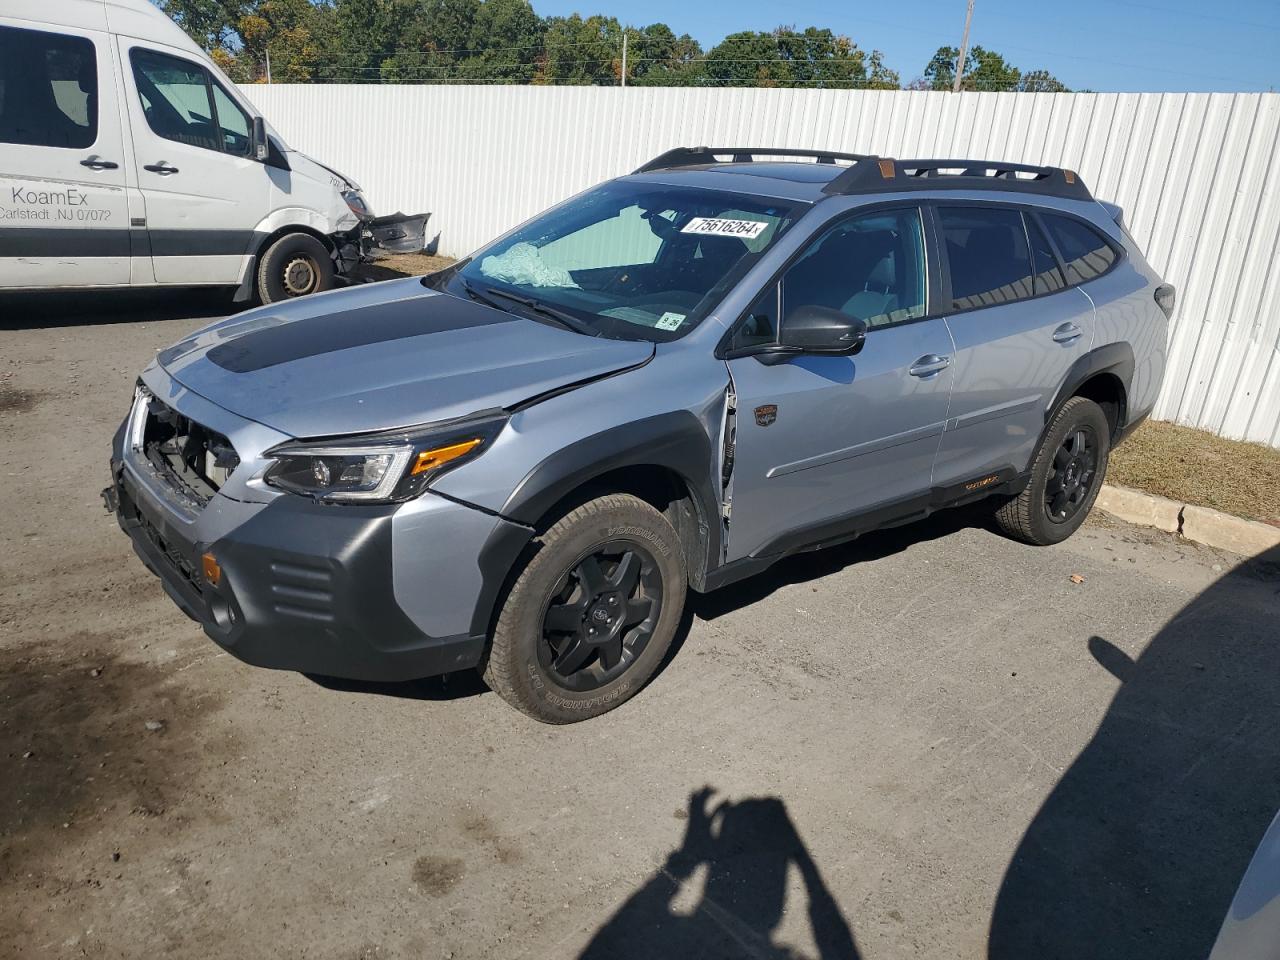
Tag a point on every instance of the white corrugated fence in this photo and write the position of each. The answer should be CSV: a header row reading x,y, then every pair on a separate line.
x,y
1195,173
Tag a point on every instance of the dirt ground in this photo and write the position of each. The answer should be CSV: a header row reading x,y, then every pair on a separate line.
x,y
930,743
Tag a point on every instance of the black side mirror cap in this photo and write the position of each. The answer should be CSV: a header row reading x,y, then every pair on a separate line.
x,y
261,149
814,329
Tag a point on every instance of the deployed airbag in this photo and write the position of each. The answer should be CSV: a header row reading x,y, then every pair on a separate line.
x,y
523,265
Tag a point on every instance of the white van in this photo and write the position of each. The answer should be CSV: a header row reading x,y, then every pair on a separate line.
x,y
127,158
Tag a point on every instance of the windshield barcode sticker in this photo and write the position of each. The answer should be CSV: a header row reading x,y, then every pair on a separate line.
x,y
715,226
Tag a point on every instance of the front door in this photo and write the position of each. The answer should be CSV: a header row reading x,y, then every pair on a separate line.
x,y
64,210
204,192
823,439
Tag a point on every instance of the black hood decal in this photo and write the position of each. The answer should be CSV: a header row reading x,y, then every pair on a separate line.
x,y
330,333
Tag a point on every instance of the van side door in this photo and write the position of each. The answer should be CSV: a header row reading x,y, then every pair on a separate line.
x,y
823,441
64,210
1017,329
204,192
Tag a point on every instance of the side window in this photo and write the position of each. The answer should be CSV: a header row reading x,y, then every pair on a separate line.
x,y
48,89
988,254
1084,251
871,267
1048,276
175,98
233,123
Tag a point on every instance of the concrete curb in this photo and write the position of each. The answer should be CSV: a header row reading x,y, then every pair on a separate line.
x,y
1210,527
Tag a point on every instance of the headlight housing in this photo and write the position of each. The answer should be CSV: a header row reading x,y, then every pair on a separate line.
x,y
380,468
356,204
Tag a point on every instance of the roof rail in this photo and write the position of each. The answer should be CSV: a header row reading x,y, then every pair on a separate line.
x,y
895,175
694,156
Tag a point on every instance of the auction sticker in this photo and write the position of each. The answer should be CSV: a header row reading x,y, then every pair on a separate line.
x,y
719,227
670,321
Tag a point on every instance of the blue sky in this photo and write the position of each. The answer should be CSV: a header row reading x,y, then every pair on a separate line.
x,y
1095,44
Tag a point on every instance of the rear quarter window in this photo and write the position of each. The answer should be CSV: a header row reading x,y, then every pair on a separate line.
x,y
1086,253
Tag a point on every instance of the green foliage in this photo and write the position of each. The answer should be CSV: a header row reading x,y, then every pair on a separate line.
x,y
505,41
787,58
986,70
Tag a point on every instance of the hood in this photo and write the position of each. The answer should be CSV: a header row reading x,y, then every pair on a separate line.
x,y
383,356
313,168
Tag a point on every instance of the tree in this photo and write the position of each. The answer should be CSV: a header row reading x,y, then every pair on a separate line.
x,y
577,50
657,57
788,58
985,70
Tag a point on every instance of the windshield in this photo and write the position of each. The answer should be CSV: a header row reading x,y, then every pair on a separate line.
x,y
635,261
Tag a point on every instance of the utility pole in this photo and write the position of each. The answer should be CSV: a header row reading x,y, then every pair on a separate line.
x,y
964,49
268,64
624,56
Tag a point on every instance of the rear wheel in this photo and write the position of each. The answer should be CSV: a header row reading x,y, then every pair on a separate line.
x,y
295,265
1066,475
589,619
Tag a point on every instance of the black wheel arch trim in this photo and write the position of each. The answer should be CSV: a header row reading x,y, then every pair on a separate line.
x,y
1114,358
675,441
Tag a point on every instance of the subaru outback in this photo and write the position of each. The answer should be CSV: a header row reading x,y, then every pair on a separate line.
x,y
666,383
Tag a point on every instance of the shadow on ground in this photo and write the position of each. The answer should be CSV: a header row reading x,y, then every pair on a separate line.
x,y
49,309
1136,853
747,848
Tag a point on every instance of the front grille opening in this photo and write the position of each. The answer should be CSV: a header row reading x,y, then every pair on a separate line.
x,y
193,458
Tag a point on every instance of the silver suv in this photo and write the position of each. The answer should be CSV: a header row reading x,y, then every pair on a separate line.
x,y
668,382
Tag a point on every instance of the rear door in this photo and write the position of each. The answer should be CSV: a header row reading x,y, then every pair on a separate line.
x,y
64,210
204,192
1017,329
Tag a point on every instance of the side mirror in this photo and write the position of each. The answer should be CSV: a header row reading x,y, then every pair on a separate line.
x,y
260,148
813,329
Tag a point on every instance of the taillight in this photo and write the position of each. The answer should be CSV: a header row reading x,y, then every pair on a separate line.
x,y
1166,297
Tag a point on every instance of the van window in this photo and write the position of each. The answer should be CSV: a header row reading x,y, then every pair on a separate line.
x,y
48,89
233,123
870,267
175,98
1084,251
988,254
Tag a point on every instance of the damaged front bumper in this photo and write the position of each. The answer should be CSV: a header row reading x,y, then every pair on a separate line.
x,y
376,237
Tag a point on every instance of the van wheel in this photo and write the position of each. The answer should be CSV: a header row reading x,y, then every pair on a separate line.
x,y
1066,475
588,620
293,266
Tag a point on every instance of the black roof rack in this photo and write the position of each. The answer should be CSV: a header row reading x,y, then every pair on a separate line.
x,y
888,174
696,156
870,173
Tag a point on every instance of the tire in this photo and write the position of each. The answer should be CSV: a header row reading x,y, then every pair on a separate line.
x,y
591,616
295,265
1066,475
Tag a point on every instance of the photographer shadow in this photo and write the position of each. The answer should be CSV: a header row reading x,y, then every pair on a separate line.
x,y
747,849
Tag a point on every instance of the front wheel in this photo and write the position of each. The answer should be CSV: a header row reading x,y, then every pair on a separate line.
x,y
1066,475
589,619
295,265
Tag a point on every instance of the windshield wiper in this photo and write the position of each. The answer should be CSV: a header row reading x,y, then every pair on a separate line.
x,y
566,320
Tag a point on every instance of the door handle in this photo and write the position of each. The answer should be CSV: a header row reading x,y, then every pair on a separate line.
x,y
929,366
1067,333
161,168
94,163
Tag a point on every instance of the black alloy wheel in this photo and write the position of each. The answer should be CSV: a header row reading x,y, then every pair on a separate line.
x,y
1066,473
591,612
1072,474
601,616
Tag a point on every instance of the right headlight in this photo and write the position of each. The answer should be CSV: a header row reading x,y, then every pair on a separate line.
x,y
379,468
